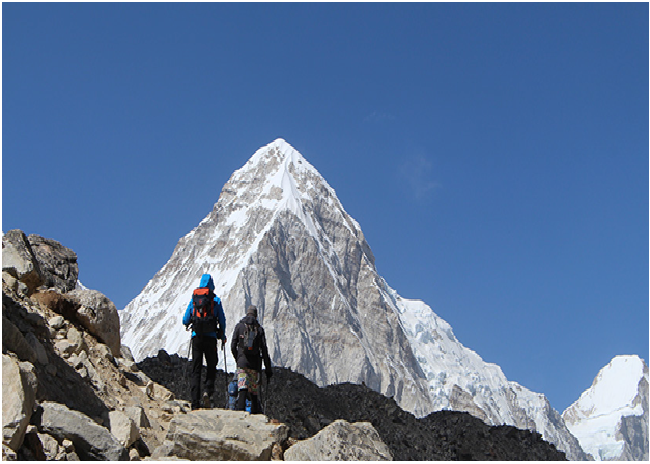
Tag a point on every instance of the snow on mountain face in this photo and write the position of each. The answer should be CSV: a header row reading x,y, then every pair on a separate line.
x,y
279,238
610,419
460,380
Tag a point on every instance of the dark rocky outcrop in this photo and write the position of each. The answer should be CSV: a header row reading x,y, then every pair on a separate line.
x,y
58,263
307,409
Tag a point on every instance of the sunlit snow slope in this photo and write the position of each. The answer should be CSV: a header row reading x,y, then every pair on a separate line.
x,y
610,419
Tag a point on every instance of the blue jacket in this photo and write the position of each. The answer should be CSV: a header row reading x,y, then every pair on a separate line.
x,y
206,281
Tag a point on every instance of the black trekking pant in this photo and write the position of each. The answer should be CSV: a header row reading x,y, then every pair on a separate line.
x,y
255,403
203,346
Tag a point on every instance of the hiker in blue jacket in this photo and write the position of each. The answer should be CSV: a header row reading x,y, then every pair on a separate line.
x,y
205,315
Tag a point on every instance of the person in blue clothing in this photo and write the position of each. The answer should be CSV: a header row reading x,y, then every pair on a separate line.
x,y
205,332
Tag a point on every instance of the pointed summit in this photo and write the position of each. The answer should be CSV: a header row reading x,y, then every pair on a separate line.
x,y
275,153
271,174
277,177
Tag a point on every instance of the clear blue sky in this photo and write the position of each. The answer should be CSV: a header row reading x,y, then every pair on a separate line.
x,y
495,155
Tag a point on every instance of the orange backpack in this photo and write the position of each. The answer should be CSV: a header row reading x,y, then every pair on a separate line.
x,y
203,318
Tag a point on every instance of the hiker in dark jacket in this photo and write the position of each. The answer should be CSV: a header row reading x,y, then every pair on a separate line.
x,y
204,344
248,347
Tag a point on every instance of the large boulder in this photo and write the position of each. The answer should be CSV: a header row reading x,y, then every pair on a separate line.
x,y
18,396
58,264
341,441
19,261
219,434
92,442
99,316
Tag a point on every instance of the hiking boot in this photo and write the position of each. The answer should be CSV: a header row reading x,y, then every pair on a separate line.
x,y
206,401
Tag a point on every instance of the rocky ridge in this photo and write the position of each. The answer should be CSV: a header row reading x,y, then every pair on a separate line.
x,y
72,391
292,399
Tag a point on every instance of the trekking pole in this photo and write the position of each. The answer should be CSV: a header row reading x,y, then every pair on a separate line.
x,y
225,361
189,350
225,368
266,394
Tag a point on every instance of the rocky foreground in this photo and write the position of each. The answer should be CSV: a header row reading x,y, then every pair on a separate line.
x,y
292,399
71,391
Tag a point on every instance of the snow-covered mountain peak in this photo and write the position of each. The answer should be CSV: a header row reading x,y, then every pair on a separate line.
x,y
276,177
613,389
275,182
616,384
273,153
275,161
607,415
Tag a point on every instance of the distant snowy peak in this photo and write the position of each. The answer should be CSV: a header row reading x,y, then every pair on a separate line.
x,y
613,390
609,411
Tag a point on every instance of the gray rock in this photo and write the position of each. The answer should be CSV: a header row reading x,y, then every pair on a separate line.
x,y
65,348
91,441
56,322
18,259
37,346
75,337
50,446
67,452
123,427
134,455
14,284
127,365
104,352
18,395
58,264
99,315
8,454
14,340
125,353
137,415
221,435
157,392
341,441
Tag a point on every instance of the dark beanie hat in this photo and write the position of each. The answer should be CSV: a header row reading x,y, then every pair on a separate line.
x,y
251,311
